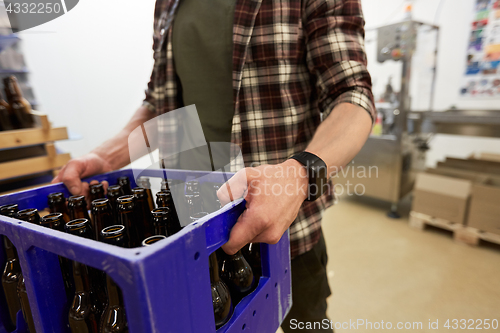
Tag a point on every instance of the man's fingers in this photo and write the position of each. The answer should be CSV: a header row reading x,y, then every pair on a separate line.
x,y
234,188
71,177
241,234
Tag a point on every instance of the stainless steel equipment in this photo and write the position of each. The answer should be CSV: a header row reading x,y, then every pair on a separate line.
x,y
397,154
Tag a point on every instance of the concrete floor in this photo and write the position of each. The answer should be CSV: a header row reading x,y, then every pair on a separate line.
x,y
381,269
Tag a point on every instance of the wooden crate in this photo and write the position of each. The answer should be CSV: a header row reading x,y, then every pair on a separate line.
x,y
43,134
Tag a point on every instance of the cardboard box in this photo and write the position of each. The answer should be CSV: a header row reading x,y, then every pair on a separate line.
x,y
442,196
484,213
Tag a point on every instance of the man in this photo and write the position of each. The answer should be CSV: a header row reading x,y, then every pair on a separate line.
x,y
276,78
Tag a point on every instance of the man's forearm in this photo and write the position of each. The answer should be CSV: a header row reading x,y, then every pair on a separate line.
x,y
341,136
116,150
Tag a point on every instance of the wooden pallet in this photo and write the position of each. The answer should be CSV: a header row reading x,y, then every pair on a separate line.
x,y
43,134
461,233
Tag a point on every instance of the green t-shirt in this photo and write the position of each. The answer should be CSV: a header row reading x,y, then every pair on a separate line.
x,y
202,47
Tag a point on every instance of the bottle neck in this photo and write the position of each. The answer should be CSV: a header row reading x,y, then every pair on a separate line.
x,y
10,250
214,268
114,292
81,277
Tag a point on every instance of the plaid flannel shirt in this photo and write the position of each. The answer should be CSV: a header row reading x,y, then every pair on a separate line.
x,y
292,60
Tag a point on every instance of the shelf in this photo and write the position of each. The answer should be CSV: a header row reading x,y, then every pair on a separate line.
x,y
14,71
7,41
33,165
31,136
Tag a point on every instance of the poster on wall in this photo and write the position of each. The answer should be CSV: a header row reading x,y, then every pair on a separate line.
x,y
482,75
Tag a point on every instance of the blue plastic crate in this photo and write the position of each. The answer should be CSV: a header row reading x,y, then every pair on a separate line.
x,y
166,287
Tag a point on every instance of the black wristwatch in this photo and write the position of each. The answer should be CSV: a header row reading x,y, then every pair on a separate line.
x,y
316,172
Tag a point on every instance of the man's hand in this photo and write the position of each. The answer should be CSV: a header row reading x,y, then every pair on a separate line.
x,y
76,169
274,194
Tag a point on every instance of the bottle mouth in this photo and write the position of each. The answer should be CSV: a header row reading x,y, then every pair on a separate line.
x,y
125,199
51,217
100,202
76,200
76,224
9,210
160,211
27,212
153,239
112,231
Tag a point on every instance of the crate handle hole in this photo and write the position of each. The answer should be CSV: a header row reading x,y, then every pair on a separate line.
x,y
137,253
254,313
267,296
19,222
276,285
286,271
244,325
197,256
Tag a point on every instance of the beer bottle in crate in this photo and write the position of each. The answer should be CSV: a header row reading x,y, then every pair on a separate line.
x,y
77,207
57,204
127,217
164,199
146,185
192,187
143,212
102,215
88,302
83,316
96,191
29,215
56,221
124,182
20,107
12,270
114,192
114,318
237,273
221,298
164,223
251,252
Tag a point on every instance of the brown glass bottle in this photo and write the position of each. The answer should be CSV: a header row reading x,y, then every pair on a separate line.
x,y
102,215
163,222
114,318
193,204
5,116
143,212
96,191
29,215
77,207
146,184
152,240
164,199
56,221
82,228
124,182
83,314
192,186
221,298
237,273
127,217
12,270
114,192
20,107
10,279
165,184
57,204
251,252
